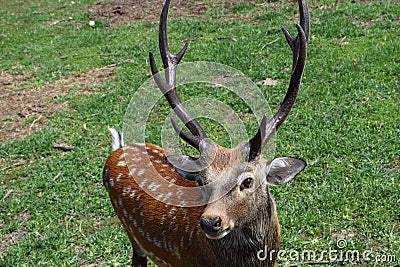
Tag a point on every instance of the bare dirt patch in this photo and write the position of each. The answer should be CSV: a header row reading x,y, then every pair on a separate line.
x,y
8,80
122,12
24,111
11,239
375,21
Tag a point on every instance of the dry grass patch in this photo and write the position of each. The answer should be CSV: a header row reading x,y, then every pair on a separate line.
x,y
122,12
24,111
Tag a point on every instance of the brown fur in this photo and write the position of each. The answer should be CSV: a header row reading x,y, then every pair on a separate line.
x,y
171,235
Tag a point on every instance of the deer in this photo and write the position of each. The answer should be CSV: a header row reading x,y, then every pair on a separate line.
x,y
237,217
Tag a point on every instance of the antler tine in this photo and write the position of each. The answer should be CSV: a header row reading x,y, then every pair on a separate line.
x,y
299,49
192,140
168,88
169,60
305,24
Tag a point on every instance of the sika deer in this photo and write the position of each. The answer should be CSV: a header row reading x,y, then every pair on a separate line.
x,y
238,217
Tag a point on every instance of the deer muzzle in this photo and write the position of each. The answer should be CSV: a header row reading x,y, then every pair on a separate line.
x,y
214,227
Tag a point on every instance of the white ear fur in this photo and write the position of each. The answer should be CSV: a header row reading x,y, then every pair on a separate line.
x,y
282,170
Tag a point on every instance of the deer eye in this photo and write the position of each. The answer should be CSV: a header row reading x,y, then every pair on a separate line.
x,y
246,184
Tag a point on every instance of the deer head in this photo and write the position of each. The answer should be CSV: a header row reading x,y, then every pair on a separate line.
x,y
235,180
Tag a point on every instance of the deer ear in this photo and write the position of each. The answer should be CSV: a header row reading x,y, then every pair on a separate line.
x,y
186,166
283,170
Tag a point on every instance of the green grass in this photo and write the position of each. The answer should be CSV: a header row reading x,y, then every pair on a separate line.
x,y
345,124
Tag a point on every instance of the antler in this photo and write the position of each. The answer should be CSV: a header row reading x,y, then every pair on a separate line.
x,y
168,88
299,49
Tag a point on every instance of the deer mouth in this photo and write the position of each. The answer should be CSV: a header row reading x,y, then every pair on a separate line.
x,y
219,234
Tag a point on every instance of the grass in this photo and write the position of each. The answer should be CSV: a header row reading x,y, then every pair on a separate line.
x,y
345,123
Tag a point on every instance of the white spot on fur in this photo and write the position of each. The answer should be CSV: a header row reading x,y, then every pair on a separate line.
x,y
157,243
176,250
190,236
134,148
132,171
170,246
143,183
123,155
153,187
121,163
163,218
172,211
141,231
185,214
168,195
172,182
148,237
126,190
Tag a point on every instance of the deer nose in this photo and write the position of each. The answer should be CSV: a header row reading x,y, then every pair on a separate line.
x,y
211,226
